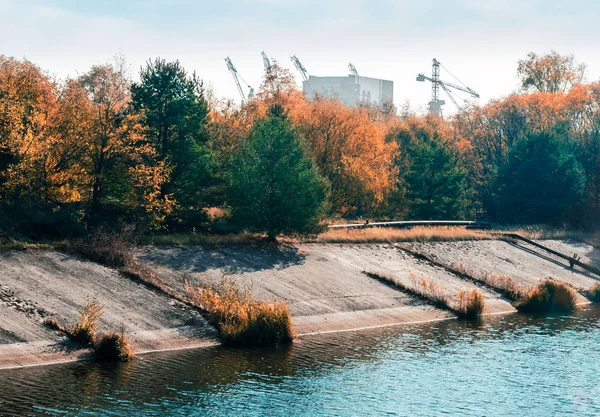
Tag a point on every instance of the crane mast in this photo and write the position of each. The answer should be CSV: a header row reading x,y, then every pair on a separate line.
x,y
237,77
435,105
354,72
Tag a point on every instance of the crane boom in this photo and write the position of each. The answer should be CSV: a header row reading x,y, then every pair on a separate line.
x,y
471,92
300,67
266,61
449,93
236,78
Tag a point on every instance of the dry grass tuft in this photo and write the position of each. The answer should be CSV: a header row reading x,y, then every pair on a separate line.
x,y
594,293
470,303
390,235
106,346
549,296
89,318
113,347
241,320
53,323
504,284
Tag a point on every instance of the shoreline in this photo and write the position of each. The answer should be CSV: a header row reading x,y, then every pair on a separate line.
x,y
324,285
88,356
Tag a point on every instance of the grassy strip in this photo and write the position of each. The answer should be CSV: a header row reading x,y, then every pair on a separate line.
x,y
390,235
548,296
19,245
240,320
468,304
505,285
448,234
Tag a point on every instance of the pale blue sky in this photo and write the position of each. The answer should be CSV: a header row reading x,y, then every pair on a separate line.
x,y
478,40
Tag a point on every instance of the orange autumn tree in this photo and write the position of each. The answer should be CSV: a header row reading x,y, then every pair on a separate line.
x,y
351,151
117,163
550,72
491,131
231,124
27,110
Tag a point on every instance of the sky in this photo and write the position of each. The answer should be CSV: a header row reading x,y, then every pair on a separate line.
x,y
479,41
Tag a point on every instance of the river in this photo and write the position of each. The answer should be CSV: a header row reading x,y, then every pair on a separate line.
x,y
510,365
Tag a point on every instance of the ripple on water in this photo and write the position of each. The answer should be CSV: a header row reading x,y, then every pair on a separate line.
x,y
510,365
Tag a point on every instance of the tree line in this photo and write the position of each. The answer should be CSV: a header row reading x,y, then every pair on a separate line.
x,y
160,152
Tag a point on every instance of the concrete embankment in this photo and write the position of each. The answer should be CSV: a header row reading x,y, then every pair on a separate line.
x,y
325,286
39,284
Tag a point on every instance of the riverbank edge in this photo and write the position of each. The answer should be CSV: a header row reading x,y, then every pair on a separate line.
x,y
86,354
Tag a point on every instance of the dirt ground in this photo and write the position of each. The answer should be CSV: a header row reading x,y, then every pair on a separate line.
x,y
38,284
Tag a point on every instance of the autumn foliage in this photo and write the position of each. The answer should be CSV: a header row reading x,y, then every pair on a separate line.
x,y
103,150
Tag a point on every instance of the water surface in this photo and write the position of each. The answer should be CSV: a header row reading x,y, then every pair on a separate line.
x,y
503,366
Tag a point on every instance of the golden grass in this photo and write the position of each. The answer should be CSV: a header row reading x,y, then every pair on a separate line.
x,y
594,293
470,303
506,285
540,232
241,320
390,235
89,319
549,296
113,347
447,234
427,288
467,304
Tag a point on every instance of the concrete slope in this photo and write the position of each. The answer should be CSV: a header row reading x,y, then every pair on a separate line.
x,y
324,284
37,284
523,263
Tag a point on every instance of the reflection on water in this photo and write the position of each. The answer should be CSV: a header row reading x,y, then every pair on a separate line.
x,y
510,365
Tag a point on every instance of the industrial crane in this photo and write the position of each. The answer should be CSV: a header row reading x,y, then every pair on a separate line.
x,y
300,68
354,72
237,77
266,61
435,105
303,71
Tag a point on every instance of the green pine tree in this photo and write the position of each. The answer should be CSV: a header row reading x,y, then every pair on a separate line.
x,y
541,181
435,181
275,187
176,116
